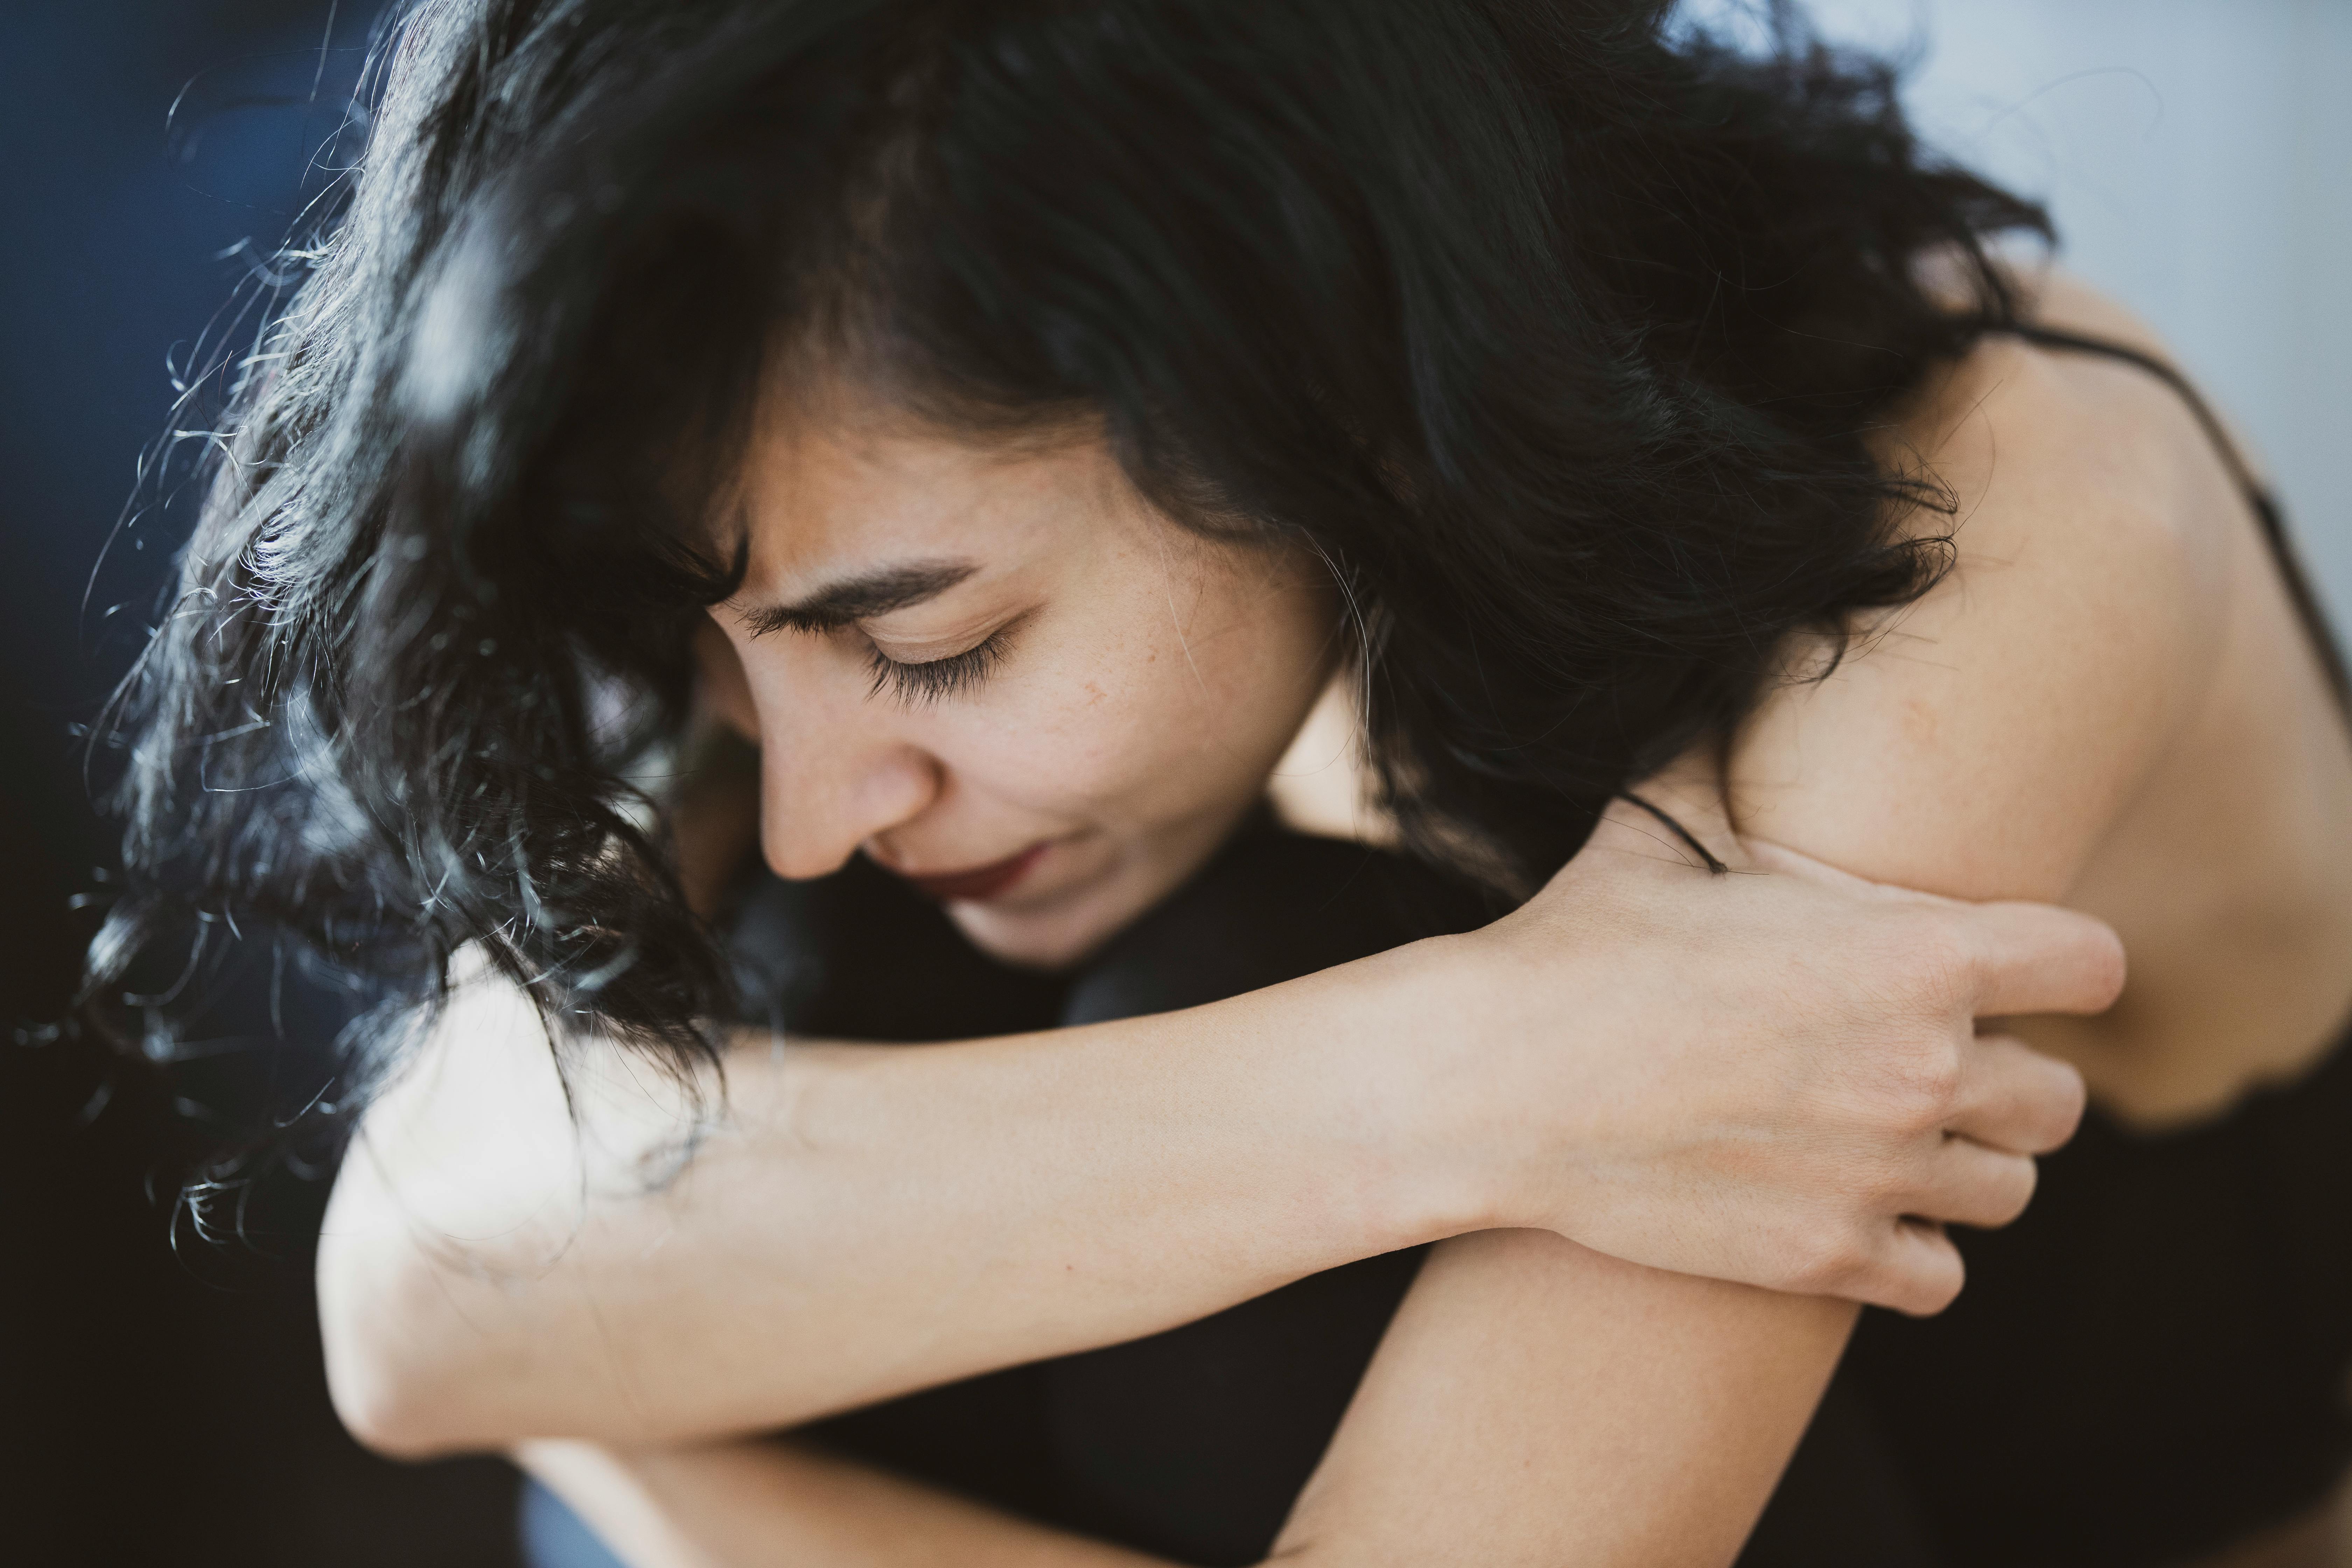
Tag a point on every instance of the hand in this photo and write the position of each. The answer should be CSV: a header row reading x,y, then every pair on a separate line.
x,y
1776,1076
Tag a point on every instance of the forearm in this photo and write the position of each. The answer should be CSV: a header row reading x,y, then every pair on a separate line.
x,y
749,1503
1751,1076
864,1220
1536,1404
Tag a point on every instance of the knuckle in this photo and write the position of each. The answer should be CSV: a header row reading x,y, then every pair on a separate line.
x,y
1923,1086
1938,1075
1938,961
1827,1263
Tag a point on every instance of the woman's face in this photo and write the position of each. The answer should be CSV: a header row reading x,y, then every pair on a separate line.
x,y
1000,673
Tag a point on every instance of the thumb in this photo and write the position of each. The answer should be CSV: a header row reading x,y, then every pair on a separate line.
x,y
2023,958
1764,853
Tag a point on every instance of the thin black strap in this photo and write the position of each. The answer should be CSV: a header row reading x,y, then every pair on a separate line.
x,y
2266,505
1715,865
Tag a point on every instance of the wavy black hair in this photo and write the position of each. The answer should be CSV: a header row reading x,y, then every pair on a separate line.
x,y
1559,328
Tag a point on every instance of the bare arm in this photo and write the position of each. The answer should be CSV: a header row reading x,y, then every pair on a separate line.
x,y
1610,1063
1538,1402
767,1503
1745,1075
1535,1403
921,1213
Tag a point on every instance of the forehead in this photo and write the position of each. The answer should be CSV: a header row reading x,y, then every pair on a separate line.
x,y
830,486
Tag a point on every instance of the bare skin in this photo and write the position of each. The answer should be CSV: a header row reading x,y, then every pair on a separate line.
x,y
2114,666
927,1213
1748,1077
2109,703
2114,705
2186,779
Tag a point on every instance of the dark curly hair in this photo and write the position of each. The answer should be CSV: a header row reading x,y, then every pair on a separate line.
x,y
1559,328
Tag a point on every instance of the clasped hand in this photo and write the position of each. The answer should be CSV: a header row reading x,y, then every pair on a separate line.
x,y
1792,1080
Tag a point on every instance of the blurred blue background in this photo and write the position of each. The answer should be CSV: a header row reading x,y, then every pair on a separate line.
x,y
168,1409
156,1407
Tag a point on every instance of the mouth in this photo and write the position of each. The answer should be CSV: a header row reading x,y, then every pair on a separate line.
x,y
978,884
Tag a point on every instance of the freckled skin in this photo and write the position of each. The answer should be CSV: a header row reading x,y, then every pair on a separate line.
x,y
2109,703
1091,587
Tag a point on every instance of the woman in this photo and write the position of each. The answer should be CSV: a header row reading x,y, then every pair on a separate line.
x,y
1045,402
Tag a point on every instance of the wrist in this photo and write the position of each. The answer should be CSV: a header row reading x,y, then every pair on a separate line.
x,y
1417,1033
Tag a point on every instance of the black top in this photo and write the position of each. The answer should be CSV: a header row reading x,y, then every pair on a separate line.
x,y
1191,1444
2151,1363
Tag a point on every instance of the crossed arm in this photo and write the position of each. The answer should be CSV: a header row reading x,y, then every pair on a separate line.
x,y
1750,1077
1656,1063
1534,1403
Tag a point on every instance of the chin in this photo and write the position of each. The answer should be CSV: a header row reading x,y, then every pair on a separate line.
x,y
1034,939
1058,931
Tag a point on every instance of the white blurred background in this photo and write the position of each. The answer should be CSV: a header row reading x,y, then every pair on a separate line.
x,y
2197,155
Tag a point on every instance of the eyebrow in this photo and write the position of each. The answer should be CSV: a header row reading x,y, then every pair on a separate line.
x,y
854,599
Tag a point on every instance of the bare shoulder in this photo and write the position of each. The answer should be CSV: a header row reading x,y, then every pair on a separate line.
x,y
2064,448
1981,741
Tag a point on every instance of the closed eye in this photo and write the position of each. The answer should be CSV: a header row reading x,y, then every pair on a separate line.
x,y
917,682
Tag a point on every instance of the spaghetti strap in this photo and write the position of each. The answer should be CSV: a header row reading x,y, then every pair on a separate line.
x,y
2266,505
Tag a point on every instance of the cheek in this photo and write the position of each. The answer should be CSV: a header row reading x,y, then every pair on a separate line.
x,y
1093,735
1136,723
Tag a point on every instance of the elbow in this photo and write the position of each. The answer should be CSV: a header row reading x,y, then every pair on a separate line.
x,y
390,1336
384,1418
387,1390
433,1219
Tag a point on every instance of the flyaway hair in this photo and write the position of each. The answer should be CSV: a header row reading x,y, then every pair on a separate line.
x,y
1560,329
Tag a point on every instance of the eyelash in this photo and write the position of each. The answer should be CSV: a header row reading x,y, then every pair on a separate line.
x,y
933,679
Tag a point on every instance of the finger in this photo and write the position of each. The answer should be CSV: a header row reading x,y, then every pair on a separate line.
x,y
2027,958
1919,1270
1772,857
2037,957
1968,1184
2013,1097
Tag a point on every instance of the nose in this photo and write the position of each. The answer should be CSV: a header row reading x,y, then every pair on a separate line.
x,y
832,773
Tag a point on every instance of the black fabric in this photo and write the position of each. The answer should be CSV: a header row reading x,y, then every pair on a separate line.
x,y
1189,1444
859,955
1193,1445
2153,1362
1843,1500
2149,1364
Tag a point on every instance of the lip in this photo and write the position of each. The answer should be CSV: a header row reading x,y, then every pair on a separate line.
x,y
978,884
